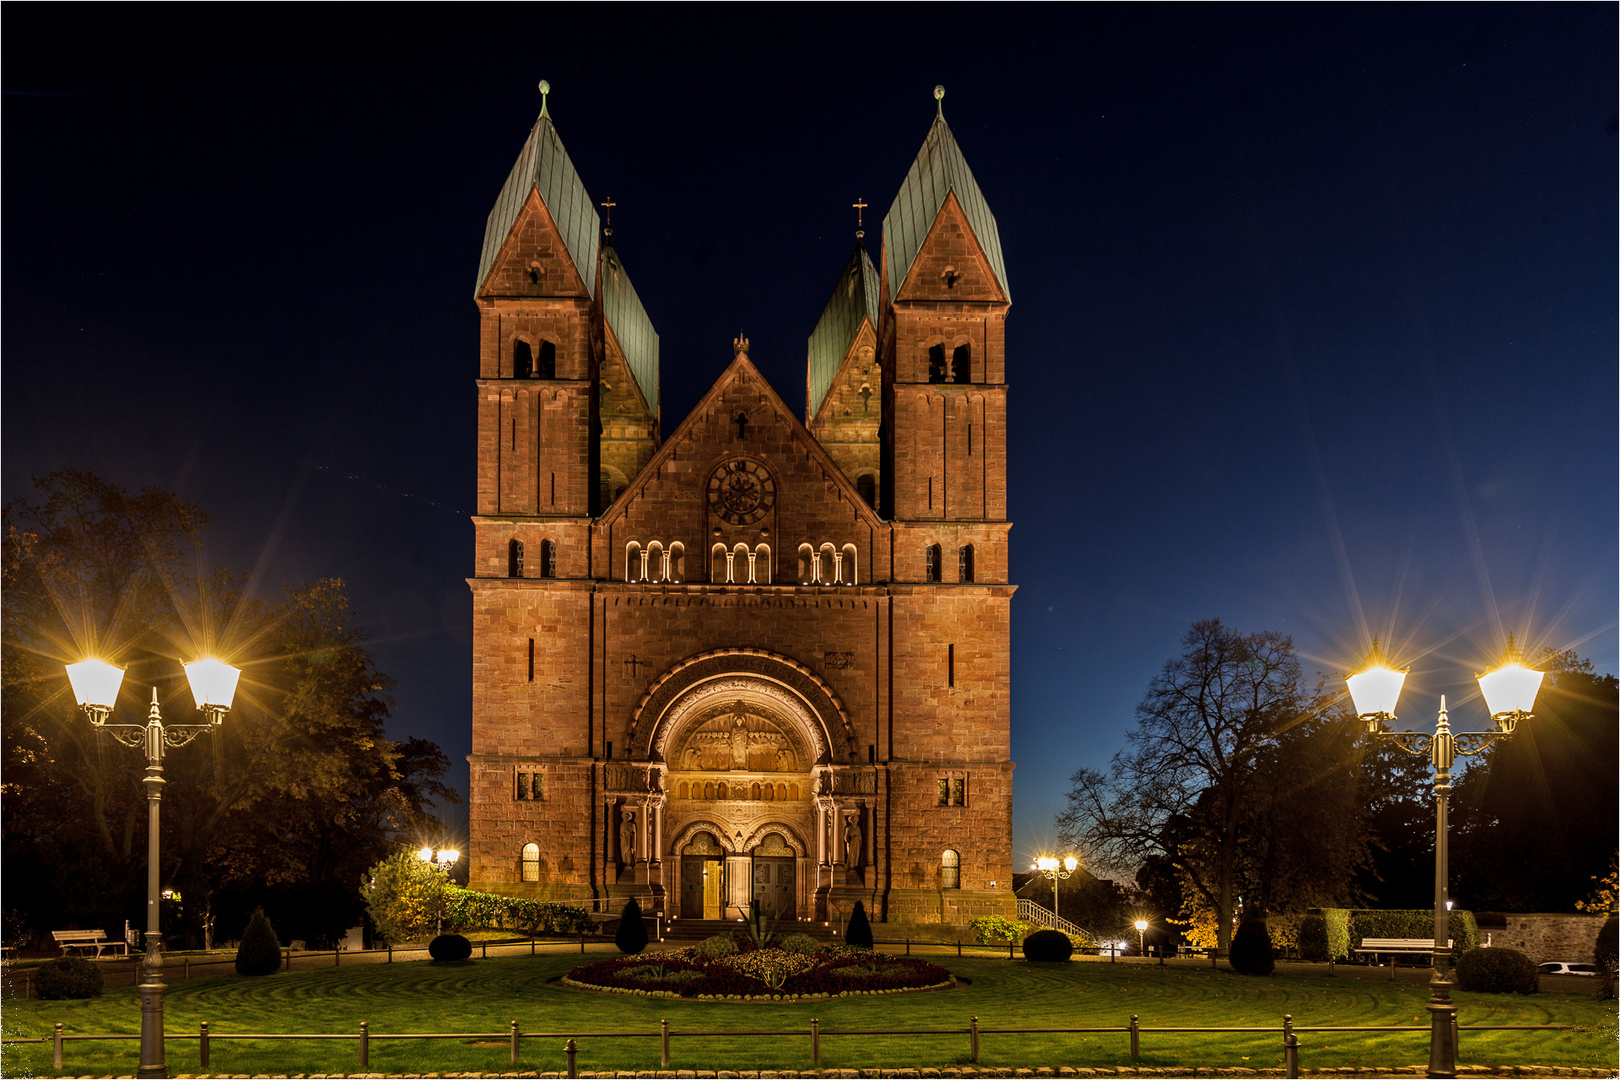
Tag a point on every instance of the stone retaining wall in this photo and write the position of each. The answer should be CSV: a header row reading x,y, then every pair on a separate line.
x,y
1543,938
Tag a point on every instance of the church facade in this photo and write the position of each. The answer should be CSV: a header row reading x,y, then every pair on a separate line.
x,y
767,657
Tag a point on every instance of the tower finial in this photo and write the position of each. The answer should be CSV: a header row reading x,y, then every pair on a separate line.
x,y
545,90
608,205
939,96
859,206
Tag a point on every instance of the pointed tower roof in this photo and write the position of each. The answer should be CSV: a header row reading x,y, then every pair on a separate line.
x,y
854,298
543,165
630,325
939,169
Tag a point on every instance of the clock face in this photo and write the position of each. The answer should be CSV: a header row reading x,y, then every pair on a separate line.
x,y
741,492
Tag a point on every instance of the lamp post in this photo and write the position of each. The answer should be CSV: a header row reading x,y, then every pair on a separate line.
x,y
444,859
95,688
1141,936
1056,872
1509,690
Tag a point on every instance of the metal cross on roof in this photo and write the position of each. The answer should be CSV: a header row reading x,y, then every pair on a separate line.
x,y
608,205
859,206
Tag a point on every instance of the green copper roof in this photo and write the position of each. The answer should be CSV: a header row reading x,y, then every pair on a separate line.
x,y
939,168
854,298
544,164
630,325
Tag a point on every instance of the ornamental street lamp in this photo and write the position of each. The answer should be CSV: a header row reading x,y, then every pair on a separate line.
x,y
1056,872
1141,936
444,859
95,688
1509,690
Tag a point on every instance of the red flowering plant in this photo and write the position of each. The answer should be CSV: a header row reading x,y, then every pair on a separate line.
x,y
760,972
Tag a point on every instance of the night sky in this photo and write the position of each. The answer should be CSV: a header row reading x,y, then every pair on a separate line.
x,y
1313,321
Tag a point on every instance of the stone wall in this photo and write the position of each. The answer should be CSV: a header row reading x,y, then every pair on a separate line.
x,y
1543,938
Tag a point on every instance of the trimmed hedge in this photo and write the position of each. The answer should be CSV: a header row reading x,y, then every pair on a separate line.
x,y
1046,946
450,947
260,950
1497,971
1409,923
466,909
1251,949
1313,938
67,977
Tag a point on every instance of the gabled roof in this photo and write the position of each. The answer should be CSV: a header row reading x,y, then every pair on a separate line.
x,y
854,298
630,325
544,165
940,168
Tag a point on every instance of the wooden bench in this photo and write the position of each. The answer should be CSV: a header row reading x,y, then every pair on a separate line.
x,y
87,939
1393,946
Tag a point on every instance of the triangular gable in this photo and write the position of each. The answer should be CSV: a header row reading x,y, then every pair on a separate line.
x,y
543,165
950,245
533,237
865,335
742,367
939,170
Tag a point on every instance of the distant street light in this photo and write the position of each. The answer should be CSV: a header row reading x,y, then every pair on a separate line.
x,y
1056,872
95,688
1141,936
1509,690
444,859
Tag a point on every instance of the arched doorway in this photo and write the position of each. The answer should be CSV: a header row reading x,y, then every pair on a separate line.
x,y
775,877
702,860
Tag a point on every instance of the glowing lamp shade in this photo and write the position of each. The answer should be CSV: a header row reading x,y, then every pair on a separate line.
x,y
1510,687
426,854
1141,924
95,683
1375,688
213,683
1046,862
1070,863
450,855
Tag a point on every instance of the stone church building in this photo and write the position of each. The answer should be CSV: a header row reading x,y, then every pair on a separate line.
x,y
766,657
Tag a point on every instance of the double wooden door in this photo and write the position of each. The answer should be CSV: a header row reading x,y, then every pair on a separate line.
x,y
773,886
700,887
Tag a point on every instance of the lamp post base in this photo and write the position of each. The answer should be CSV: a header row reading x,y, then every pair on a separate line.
x,y
153,1062
1442,1020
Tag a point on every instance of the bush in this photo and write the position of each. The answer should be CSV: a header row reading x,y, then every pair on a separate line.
x,y
67,977
1497,971
450,947
1338,932
1283,929
1251,949
858,935
1604,952
1044,946
260,951
721,945
405,895
466,908
800,943
993,929
1313,938
631,937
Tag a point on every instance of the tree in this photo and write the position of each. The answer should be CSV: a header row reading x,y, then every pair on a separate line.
x,y
404,895
1225,741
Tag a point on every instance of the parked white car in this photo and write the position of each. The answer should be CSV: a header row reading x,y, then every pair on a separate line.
x,y
1569,969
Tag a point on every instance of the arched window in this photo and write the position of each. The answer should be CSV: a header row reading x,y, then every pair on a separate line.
x,y
548,559
655,565
964,563
793,792
684,791
677,562
950,870
761,571
522,359
962,364
514,558
740,564
932,567
708,791
781,793
720,790
717,564
827,563
804,564
850,575
866,488
936,363
632,561
531,862
547,367
753,793
769,793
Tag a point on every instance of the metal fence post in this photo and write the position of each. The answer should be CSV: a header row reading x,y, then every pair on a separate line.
x,y
663,1043
289,957
484,945
1290,1048
365,1044
202,1046
514,1042
569,1048
973,1039
390,952
1136,1038
815,1041
56,1047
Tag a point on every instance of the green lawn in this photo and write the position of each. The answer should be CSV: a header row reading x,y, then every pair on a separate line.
x,y
486,995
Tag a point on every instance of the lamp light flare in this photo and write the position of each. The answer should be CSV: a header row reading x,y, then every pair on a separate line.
x,y
1141,925
1046,862
426,854
1376,686
213,683
1070,863
1510,687
95,683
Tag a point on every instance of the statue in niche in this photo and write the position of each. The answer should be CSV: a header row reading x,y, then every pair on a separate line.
x,y
852,841
627,837
739,740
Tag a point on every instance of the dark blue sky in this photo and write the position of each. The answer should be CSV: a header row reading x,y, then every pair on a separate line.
x,y
1313,322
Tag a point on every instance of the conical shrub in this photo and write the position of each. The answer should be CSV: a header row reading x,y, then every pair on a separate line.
x,y
631,936
1251,949
260,951
858,935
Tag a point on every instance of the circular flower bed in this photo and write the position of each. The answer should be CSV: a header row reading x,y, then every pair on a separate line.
x,y
768,974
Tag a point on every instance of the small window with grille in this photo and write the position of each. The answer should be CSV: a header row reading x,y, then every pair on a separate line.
x,y
950,870
531,862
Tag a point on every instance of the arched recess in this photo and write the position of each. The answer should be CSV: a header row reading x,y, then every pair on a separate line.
x,y
692,828
787,688
789,834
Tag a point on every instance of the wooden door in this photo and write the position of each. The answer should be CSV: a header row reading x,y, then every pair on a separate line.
x,y
692,891
773,886
711,888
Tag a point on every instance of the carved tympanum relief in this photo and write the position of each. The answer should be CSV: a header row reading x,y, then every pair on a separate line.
x,y
737,737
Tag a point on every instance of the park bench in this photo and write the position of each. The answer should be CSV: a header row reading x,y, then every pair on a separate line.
x,y
87,939
1393,946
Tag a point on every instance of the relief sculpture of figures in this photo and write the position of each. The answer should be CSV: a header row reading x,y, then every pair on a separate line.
x,y
852,841
739,741
627,837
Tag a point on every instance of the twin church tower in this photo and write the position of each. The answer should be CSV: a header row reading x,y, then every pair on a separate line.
x,y
764,658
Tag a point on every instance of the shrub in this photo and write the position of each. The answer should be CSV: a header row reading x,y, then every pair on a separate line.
x,y
631,937
1044,946
800,943
1283,929
405,895
1604,952
1313,938
465,908
450,947
1251,949
721,945
1497,971
67,977
858,935
993,929
260,951
1338,932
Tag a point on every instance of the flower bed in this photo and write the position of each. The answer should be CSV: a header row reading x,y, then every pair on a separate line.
x,y
768,974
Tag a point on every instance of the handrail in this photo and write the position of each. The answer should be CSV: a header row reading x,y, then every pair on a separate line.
x,y
1031,912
